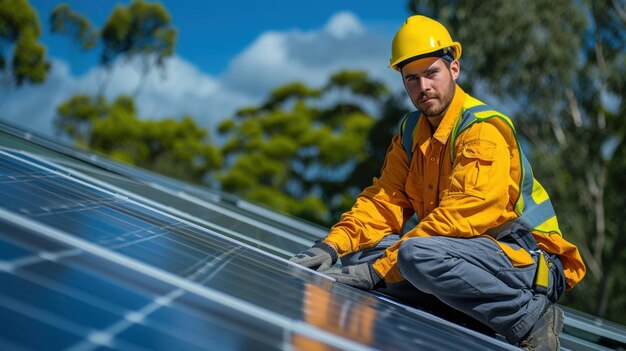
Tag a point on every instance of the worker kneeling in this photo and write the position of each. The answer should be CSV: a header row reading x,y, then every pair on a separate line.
x,y
487,243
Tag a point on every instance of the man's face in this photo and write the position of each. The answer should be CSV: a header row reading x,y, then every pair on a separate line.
x,y
430,84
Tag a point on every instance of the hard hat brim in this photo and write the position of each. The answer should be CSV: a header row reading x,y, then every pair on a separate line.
x,y
455,46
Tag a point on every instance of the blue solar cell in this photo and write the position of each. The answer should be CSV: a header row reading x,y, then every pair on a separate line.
x,y
215,326
20,239
99,289
31,332
9,251
74,311
153,339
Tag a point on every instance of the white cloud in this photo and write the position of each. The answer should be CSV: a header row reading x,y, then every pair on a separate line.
x,y
181,89
277,58
343,25
274,58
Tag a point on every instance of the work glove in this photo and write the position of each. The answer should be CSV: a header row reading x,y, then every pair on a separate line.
x,y
319,257
362,276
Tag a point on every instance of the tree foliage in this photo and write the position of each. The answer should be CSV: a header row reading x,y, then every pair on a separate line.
x,y
67,22
379,137
177,148
558,67
140,29
22,56
294,153
140,32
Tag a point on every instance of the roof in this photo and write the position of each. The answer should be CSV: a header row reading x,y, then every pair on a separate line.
x,y
95,254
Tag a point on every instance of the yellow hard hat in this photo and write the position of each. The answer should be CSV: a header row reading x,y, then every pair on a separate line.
x,y
419,36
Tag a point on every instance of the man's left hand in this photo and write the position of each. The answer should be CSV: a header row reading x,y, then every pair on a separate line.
x,y
361,276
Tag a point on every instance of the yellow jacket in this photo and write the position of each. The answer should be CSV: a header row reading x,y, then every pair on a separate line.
x,y
465,199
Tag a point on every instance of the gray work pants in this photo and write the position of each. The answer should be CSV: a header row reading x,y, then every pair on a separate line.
x,y
471,275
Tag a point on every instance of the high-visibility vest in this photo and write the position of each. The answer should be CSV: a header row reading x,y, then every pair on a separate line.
x,y
533,206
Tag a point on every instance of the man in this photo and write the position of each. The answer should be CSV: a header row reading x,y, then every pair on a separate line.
x,y
487,242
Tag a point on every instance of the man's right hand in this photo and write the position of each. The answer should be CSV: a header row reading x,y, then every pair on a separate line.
x,y
319,257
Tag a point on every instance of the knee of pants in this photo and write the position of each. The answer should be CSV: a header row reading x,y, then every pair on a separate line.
x,y
416,255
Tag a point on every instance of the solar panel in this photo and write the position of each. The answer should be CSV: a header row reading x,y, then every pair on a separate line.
x,y
96,255
16,138
91,268
196,204
71,299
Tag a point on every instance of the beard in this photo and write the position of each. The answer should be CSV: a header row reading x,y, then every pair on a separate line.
x,y
437,104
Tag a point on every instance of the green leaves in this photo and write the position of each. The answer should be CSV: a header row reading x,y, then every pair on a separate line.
x,y
293,153
358,83
140,32
179,148
139,29
65,21
22,57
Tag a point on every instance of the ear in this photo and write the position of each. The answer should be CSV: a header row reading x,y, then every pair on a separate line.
x,y
455,69
402,78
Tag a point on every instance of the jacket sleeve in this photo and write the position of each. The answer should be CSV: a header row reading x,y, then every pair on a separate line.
x,y
381,208
475,199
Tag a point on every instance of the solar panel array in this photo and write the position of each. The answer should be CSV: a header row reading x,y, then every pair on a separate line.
x,y
98,255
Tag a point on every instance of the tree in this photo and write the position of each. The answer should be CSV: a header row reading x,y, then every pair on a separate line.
x,y
65,21
178,148
558,67
293,152
22,57
378,139
140,32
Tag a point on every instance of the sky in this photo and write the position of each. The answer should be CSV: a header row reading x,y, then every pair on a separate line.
x,y
229,54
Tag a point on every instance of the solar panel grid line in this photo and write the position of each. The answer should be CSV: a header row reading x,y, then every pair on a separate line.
x,y
206,292
50,284
105,337
125,194
129,200
238,216
39,257
212,266
72,293
182,214
132,235
162,329
42,315
143,175
294,223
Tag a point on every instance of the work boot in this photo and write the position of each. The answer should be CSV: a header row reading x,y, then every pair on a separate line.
x,y
544,336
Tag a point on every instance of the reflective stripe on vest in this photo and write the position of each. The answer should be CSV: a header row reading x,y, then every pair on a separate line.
x,y
533,215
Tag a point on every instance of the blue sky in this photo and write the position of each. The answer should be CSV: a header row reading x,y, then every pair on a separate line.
x,y
228,54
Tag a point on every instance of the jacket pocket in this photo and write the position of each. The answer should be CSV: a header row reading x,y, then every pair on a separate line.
x,y
470,174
